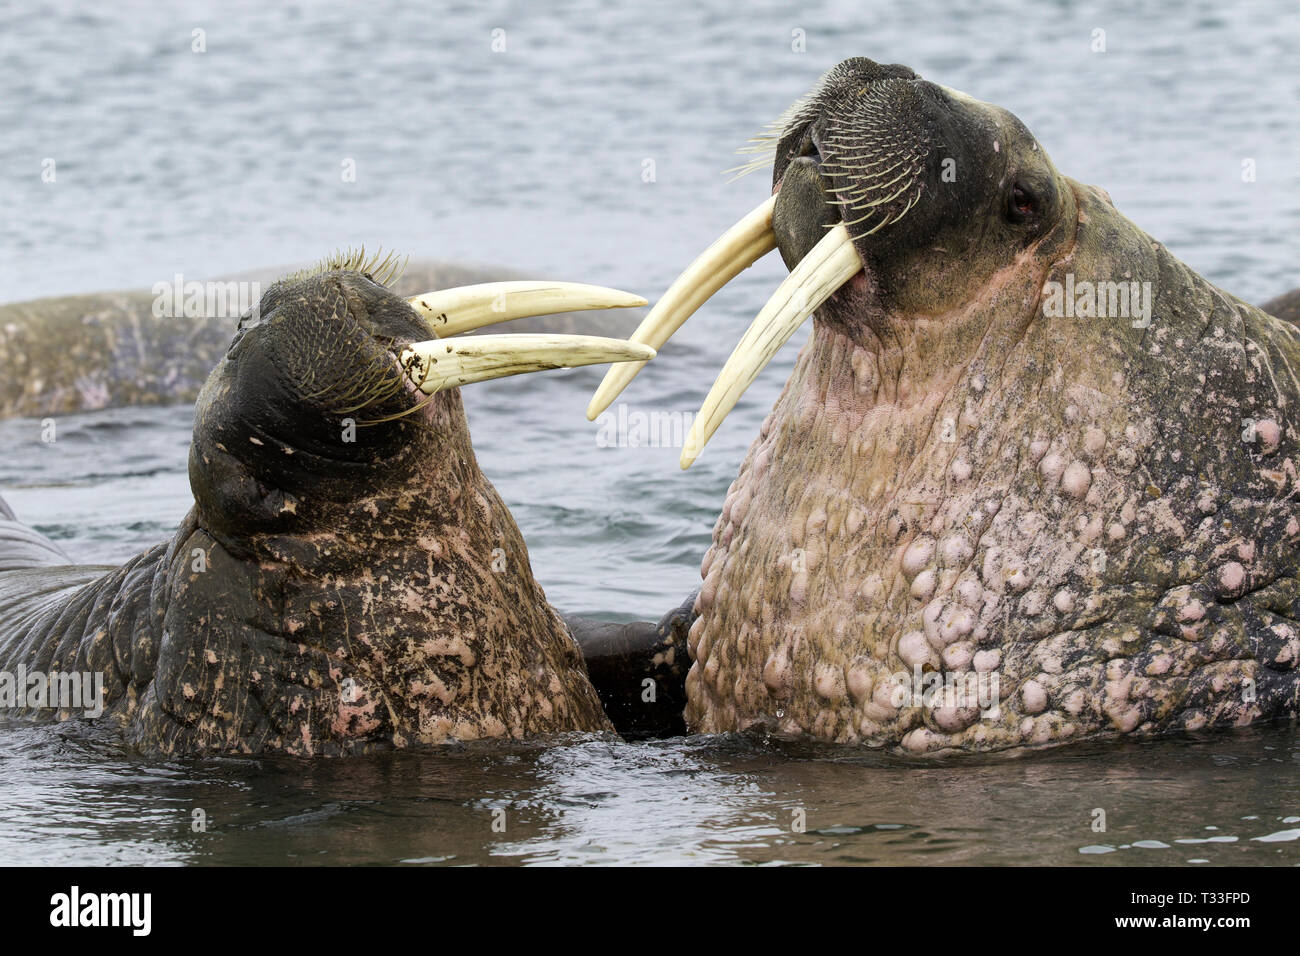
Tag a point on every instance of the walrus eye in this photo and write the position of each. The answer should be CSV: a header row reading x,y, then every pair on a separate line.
x,y
1022,205
249,320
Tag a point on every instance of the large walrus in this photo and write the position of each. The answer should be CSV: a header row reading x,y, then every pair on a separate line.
x,y
347,578
1032,479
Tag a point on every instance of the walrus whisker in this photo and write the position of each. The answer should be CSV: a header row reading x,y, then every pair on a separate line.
x,y
874,229
382,268
411,364
910,203
859,178
854,175
368,391
842,161
366,388
422,404
874,204
765,142
746,169
377,399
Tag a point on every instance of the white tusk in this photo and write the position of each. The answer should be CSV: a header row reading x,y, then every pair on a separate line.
x,y
827,266
468,307
731,254
446,363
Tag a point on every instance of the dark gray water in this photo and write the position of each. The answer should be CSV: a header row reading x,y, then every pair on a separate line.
x,y
1227,799
171,161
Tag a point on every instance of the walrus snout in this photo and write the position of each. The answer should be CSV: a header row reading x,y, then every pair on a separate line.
x,y
804,210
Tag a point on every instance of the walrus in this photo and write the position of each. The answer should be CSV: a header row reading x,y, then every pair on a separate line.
x,y
347,579
1032,480
137,347
1285,307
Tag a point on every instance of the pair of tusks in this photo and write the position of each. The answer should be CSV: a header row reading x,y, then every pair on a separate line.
x,y
830,264
454,359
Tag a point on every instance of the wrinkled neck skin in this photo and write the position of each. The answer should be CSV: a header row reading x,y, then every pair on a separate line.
x,y
355,516
415,619
1063,518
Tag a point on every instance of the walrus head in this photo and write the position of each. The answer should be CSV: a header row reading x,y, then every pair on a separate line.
x,y
1031,478
936,192
348,578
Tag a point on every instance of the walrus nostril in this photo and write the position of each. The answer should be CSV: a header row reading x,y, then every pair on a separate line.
x,y
808,148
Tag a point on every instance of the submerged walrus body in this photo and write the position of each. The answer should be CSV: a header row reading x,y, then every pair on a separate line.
x,y
1000,501
1285,307
347,578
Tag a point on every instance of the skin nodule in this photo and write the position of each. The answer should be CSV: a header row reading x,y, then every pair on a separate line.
x,y
990,468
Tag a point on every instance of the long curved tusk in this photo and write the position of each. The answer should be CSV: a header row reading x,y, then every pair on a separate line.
x,y
454,311
826,267
446,363
731,254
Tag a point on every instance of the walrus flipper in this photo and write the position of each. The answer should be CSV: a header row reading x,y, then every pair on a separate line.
x,y
58,616
22,546
639,670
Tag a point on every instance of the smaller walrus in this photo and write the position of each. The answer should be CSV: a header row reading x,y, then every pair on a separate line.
x,y
347,578
1032,479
